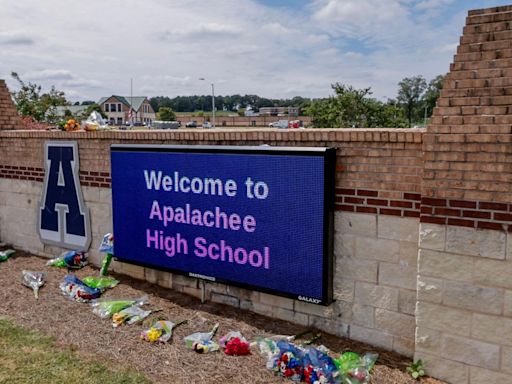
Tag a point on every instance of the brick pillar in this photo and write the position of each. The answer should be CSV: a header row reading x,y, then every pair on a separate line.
x,y
9,118
464,309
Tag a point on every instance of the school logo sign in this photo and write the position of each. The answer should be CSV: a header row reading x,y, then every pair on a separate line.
x,y
63,218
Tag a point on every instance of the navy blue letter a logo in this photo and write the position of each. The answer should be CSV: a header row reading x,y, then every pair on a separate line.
x,y
63,216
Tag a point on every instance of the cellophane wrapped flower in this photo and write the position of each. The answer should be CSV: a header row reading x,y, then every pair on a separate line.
x,y
235,344
70,260
73,287
33,280
130,315
289,366
160,331
107,308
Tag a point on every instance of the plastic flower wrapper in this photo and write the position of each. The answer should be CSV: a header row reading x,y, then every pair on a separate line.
x,y
4,255
130,315
94,122
73,287
70,259
355,369
108,307
319,367
106,246
160,331
102,283
201,342
235,344
34,280
289,361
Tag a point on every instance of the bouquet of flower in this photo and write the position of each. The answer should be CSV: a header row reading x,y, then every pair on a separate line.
x,y
235,344
33,280
201,342
130,315
102,283
70,260
73,287
4,255
107,308
72,125
160,331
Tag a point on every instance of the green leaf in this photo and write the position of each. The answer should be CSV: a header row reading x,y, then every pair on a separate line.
x,y
415,375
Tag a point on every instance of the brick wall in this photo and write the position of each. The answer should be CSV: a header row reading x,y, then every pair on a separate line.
x,y
9,118
463,316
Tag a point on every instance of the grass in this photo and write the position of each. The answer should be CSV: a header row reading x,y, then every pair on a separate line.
x,y
30,357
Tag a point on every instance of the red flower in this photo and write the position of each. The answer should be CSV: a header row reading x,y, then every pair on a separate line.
x,y
237,347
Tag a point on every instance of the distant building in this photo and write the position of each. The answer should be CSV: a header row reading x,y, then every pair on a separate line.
x,y
63,111
117,109
279,111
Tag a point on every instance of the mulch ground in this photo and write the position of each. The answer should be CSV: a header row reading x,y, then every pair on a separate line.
x,y
75,326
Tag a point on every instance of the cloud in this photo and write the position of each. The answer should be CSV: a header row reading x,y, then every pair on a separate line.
x,y
431,4
49,74
208,30
15,38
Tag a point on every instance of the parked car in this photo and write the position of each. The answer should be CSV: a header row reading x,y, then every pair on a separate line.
x,y
279,124
207,124
191,124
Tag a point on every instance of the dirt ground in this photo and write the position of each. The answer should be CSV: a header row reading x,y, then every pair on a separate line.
x,y
74,325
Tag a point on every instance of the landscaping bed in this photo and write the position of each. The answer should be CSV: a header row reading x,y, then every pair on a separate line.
x,y
74,327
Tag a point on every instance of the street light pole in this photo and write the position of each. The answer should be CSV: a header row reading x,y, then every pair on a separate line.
x,y
213,106
213,102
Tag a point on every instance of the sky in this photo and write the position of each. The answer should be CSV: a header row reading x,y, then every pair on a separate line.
x,y
271,48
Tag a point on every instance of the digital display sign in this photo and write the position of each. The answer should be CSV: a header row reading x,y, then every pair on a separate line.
x,y
256,217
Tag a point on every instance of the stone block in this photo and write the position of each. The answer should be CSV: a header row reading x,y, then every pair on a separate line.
x,y
184,281
246,305
493,329
506,359
342,311
496,273
376,249
398,228
407,301
241,293
428,340
224,299
507,309
469,351
151,275
447,370
397,275
430,289
361,224
355,269
164,279
343,288
445,265
262,309
480,376
441,318
432,236
334,327
105,195
194,292
291,316
408,254
476,242
376,296
397,324
276,301
363,315
135,271
403,346
509,246
313,309
473,297
374,337
344,245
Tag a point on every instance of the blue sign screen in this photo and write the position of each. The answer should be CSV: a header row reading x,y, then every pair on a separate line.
x,y
250,218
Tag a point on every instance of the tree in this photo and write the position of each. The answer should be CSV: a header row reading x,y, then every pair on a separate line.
x,y
166,114
432,94
30,101
410,92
